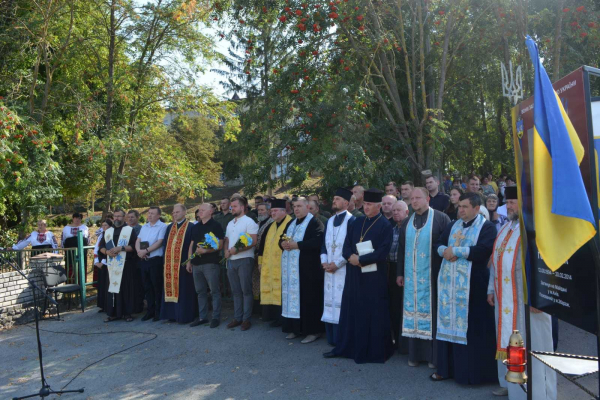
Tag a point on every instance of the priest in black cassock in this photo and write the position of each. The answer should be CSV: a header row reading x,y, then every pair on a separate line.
x,y
118,243
466,352
364,328
417,268
302,275
180,300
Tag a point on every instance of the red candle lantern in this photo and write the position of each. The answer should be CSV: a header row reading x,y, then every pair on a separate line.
x,y
516,360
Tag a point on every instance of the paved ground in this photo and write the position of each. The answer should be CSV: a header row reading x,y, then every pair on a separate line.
x,y
204,363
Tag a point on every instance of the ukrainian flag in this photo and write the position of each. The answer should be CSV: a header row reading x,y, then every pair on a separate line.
x,y
563,216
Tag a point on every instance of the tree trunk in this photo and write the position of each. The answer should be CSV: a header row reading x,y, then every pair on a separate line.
x,y
502,132
557,40
108,179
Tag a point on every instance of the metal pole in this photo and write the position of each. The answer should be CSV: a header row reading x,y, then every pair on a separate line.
x,y
528,343
81,265
594,198
598,317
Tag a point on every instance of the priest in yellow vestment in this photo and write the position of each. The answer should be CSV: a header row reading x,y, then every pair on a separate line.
x,y
269,263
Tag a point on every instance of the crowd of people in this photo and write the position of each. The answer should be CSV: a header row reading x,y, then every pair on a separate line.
x,y
432,272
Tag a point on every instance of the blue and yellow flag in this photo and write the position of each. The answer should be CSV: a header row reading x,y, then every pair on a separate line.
x,y
562,213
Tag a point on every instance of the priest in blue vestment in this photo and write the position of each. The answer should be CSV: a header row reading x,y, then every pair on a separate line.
x,y
364,327
466,352
180,301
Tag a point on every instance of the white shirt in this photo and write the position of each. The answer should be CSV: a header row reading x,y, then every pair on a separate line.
x,y
37,239
153,233
235,228
71,231
96,248
502,210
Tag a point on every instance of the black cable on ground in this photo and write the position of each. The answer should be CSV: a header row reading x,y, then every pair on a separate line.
x,y
154,336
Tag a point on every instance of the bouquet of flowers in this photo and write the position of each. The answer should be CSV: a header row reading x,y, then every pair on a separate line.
x,y
245,240
210,242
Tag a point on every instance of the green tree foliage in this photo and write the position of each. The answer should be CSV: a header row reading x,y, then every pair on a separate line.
x,y
28,174
98,78
197,136
373,91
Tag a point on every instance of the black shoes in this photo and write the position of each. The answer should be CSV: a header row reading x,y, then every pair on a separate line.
x,y
147,317
276,324
330,354
199,322
156,318
213,324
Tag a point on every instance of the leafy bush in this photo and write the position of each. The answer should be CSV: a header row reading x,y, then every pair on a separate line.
x,y
61,221
142,219
8,237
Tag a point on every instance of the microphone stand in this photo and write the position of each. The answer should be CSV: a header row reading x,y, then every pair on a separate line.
x,y
46,390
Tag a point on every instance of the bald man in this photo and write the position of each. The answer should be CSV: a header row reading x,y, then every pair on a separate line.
x,y
387,205
205,266
180,298
418,266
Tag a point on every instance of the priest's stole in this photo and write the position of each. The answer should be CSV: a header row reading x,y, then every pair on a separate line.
x,y
270,273
290,271
454,283
504,259
115,265
173,259
417,319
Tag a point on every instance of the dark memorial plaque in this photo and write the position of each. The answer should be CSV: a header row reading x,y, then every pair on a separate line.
x,y
570,292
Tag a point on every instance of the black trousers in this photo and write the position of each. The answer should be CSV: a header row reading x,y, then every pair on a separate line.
x,y
152,276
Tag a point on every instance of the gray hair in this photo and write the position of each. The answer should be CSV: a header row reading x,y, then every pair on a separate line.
x,y
302,199
266,205
401,203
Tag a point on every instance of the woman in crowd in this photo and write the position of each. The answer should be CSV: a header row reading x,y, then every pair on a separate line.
x,y
486,187
69,240
452,210
100,271
38,239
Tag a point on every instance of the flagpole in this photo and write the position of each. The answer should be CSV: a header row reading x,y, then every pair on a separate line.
x,y
594,193
528,345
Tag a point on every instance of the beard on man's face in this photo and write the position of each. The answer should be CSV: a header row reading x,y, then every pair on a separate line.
x,y
118,223
513,216
261,218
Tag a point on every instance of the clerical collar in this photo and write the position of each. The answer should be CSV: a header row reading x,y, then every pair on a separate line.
x,y
280,222
424,213
180,223
468,224
299,220
340,212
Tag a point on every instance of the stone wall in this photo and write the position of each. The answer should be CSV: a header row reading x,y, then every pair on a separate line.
x,y
16,297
